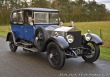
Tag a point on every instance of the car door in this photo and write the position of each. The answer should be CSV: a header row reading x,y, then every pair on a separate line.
x,y
28,28
17,23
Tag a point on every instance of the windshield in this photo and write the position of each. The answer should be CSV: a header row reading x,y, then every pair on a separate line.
x,y
46,18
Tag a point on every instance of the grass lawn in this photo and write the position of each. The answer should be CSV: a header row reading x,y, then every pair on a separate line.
x,y
95,27
4,29
105,53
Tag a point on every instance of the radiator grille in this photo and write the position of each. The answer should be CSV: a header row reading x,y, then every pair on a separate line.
x,y
77,39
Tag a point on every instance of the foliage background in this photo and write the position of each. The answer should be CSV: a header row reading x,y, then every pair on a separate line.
x,y
78,10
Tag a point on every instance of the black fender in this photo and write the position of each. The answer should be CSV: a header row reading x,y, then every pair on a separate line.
x,y
95,38
59,40
8,35
11,34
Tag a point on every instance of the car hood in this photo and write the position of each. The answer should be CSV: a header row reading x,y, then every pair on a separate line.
x,y
61,28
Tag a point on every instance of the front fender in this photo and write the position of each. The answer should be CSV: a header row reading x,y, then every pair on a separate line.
x,y
59,40
95,38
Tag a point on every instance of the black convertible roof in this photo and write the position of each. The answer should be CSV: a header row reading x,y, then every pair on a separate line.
x,y
39,9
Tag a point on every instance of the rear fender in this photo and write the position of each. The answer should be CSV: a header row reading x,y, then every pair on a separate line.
x,y
11,34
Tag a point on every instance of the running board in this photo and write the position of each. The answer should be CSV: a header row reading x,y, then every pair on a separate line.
x,y
31,49
25,45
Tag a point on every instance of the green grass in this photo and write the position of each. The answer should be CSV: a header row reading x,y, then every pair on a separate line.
x,y
84,26
4,29
105,53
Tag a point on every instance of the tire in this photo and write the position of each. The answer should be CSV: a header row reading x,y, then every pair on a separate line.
x,y
41,37
12,46
56,56
91,56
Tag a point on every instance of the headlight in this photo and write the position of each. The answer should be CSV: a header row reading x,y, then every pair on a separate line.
x,y
70,38
87,37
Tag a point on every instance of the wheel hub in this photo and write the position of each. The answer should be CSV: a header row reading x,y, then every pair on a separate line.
x,y
51,56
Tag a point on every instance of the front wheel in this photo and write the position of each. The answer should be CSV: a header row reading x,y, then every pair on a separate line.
x,y
92,53
56,56
12,46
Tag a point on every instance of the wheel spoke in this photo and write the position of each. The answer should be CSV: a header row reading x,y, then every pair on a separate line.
x,y
91,49
54,56
40,36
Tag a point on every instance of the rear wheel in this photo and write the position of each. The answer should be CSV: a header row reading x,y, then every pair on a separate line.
x,y
12,46
56,56
92,54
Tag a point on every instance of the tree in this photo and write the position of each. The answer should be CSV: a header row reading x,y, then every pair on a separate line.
x,y
70,10
40,3
95,11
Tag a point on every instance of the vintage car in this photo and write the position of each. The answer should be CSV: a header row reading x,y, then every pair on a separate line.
x,y
39,30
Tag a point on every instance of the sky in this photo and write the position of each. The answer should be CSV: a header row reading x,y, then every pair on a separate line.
x,y
106,2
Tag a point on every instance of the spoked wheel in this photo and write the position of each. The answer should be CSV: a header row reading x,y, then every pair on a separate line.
x,y
92,54
40,39
12,46
56,56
